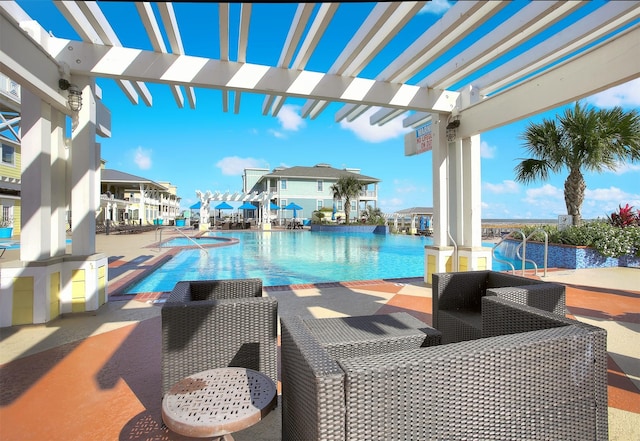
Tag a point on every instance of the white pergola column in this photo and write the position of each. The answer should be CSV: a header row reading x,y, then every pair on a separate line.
x,y
439,256
59,184
472,255
36,178
85,160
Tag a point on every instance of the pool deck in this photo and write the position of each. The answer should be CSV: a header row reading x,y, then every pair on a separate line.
x,y
97,375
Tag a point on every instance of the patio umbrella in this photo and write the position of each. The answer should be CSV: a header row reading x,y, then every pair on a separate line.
x,y
222,206
293,206
247,206
195,206
273,206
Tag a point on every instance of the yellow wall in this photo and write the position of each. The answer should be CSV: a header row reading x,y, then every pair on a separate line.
x,y
54,300
102,284
22,312
78,290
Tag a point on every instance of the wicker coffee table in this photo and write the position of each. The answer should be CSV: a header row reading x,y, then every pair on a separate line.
x,y
217,402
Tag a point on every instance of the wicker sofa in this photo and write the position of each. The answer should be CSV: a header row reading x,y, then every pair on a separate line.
x,y
218,323
534,376
456,299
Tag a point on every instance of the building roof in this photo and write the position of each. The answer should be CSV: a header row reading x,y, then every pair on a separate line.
x,y
320,171
416,211
109,175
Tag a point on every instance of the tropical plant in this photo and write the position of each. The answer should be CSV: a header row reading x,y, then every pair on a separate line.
x,y
347,188
624,217
609,240
581,139
373,216
6,222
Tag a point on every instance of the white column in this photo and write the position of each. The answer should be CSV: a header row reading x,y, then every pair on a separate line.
x,y
59,184
457,215
85,157
472,200
36,178
440,156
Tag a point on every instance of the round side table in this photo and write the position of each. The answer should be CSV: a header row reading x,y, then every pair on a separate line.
x,y
217,402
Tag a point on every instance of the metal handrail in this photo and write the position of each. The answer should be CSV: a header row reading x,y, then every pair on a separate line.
x,y
493,251
181,232
546,250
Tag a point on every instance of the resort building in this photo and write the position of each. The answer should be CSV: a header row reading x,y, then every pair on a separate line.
x,y
126,198
310,188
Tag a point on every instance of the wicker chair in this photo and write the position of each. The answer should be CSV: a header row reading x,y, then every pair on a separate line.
x,y
218,323
536,376
456,299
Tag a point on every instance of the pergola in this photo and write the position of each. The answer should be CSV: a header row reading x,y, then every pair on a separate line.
x,y
519,59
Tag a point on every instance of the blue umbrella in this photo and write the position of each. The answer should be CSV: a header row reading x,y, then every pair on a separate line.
x,y
195,206
333,214
223,206
247,206
293,206
273,206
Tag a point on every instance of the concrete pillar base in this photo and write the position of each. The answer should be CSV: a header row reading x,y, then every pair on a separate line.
x,y
37,292
437,259
474,258
266,226
204,227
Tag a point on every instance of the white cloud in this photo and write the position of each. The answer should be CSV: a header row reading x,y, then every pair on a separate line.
x,y
545,192
506,186
366,132
436,7
624,95
277,134
142,158
290,119
486,150
626,168
234,165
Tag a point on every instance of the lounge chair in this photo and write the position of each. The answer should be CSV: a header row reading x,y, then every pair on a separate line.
x,y
218,323
533,375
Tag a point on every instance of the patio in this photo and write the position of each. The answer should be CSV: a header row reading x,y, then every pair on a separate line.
x,y
99,373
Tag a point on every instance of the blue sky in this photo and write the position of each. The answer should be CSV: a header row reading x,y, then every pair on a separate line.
x,y
207,149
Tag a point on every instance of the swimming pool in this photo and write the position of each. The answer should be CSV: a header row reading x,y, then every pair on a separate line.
x,y
294,257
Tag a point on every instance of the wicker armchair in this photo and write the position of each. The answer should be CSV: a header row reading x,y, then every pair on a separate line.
x,y
218,323
456,299
536,376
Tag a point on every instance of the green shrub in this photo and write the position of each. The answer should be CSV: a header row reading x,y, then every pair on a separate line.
x,y
609,240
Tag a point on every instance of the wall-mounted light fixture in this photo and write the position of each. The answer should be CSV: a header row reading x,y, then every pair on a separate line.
x,y
74,97
453,124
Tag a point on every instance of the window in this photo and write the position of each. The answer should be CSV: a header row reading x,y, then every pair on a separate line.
x,y
339,205
283,184
320,204
320,185
8,155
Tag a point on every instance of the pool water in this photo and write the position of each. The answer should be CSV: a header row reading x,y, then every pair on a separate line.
x,y
286,258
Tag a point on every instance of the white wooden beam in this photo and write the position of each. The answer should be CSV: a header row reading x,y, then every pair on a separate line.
x,y
609,64
170,23
36,70
523,25
298,24
223,32
139,65
81,23
582,33
316,31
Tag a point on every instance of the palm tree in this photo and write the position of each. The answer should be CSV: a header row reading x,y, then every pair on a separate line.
x,y
582,139
347,187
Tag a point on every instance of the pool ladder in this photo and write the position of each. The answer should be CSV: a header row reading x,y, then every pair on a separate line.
x,y
181,232
523,247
